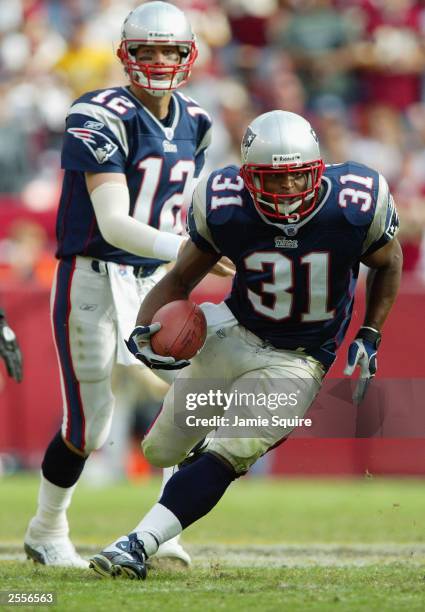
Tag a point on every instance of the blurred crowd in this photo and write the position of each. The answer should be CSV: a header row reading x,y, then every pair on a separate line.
x,y
355,68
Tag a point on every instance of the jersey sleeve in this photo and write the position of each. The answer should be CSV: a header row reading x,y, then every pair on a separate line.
x,y
385,223
197,224
95,140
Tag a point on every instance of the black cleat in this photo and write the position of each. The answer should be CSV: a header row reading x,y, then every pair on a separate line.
x,y
125,558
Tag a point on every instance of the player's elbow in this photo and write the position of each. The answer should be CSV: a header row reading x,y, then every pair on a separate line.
x,y
396,257
389,258
111,231
393,264
178,283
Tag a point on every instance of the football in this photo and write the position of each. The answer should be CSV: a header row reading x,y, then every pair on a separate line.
x,y
183,331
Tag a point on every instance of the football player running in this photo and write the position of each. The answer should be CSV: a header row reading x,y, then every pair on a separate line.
x,y
130,155
297,231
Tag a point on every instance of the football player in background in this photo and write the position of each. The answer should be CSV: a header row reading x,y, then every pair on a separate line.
x,y
130,155
9,349
297,231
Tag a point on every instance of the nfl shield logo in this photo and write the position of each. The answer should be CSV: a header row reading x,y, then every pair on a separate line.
x,y
291,230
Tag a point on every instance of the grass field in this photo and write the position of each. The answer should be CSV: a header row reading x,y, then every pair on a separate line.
x,y
269,545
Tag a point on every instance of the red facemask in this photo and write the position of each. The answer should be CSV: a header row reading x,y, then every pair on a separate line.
x,y
270,203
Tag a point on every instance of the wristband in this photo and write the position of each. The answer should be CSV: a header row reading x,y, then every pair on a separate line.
x,y
369,334
166,246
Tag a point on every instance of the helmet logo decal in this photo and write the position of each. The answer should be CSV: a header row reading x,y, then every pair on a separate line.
x,y
247,141
287,158
313,133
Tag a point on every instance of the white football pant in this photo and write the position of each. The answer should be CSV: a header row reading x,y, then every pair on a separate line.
x,y
92,313
238,362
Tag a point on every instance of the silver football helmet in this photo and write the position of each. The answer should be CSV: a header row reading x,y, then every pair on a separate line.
x,y
282,147
157,23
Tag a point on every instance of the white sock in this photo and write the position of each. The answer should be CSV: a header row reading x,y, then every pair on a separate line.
x,y
157,526
53,502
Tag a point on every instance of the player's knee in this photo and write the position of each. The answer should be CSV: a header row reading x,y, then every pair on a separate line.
x,y
98,426
161,455
95,440
94,372
93,357
240,453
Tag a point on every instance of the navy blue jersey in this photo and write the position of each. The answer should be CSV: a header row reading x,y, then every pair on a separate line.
x,y
110,130
294,285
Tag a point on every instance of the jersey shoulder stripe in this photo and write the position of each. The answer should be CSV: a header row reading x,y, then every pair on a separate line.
x,y
192,106
99,117
197,218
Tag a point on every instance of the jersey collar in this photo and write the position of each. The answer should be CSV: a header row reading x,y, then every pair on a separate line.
x,y
168,130
296,226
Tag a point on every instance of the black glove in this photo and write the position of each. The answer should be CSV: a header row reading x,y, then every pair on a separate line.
x,y
9,349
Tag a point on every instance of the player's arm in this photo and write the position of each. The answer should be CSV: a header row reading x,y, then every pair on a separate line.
x,y
197,258
111,202
106,181
383,282
382,254
191,267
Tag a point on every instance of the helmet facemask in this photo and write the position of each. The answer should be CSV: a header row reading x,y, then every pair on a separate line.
x,y
282,165
145,76
291,205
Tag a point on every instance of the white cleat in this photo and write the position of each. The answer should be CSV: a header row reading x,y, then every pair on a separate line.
x,y
171,554
59,552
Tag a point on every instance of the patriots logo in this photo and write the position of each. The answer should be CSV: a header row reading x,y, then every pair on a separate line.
x,y
247,141
99,144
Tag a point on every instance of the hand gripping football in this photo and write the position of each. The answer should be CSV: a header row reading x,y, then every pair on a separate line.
x,y
183,330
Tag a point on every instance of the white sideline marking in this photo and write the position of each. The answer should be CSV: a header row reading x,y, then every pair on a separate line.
x,y
304,555
280,555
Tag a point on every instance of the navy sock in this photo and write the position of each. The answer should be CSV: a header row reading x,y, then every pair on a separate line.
x,y
60,465
195,489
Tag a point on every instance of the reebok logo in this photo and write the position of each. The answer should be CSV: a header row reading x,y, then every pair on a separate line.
x,y
281,242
